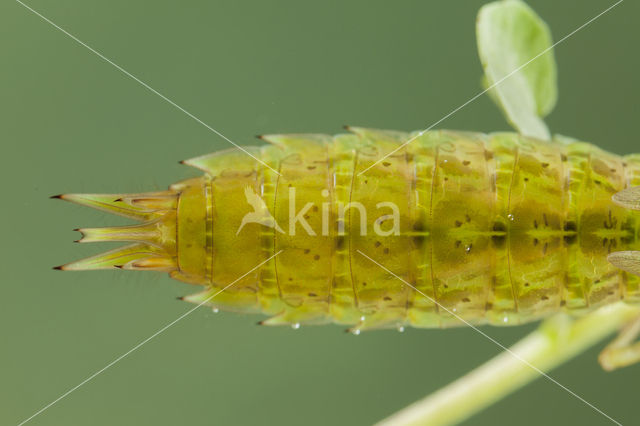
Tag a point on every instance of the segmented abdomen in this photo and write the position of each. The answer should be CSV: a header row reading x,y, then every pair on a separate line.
x,y
492,228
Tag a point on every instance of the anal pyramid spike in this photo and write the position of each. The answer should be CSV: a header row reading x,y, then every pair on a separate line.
x,y
143,207
150,232
124,258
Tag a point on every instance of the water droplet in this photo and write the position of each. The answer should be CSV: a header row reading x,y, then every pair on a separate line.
x,y
362,318
215,310
356,332
325,192
510,217
505,319
468,248
454,310
295,326
401,329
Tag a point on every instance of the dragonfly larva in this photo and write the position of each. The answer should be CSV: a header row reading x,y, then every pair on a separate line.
x,y
497,228
383,229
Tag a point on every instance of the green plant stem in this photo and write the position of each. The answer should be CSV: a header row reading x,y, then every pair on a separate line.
x,y
555,341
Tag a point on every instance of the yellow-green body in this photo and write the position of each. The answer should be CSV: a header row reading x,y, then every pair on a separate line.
x,y
497,229
500,229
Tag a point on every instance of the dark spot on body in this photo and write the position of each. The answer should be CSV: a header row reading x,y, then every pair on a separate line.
x,y
500,239
311,167
526,284
386,250
499,227
563,302
544,165
364,284
314,208
488,306
458,223
526,179
488,155
563,158
610,223
570,239
339,243
377,244
544,298
386,163
466,299
457,243
535,242
570,226
316,257
306,251
312,295
466,162
387,298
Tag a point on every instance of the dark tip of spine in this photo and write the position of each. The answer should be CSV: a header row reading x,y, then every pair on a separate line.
x,y
117,200
260,323
346,127
180,298
181,161
58,268
56,196
118,266
77,229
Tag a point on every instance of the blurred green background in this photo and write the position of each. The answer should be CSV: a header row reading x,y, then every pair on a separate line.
x,y
70,122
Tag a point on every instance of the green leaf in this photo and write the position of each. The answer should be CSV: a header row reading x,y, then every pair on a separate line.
x,y
510,35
